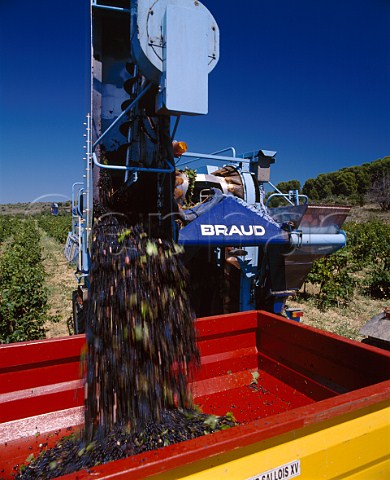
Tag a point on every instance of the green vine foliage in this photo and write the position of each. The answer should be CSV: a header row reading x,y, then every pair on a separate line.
x,y
23,297
7,226
364,264
57,227
191,175
379,283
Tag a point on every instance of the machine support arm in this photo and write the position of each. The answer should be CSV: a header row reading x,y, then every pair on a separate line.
x,y
125,112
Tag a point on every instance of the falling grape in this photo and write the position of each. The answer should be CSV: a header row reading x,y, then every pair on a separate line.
x,y
141,351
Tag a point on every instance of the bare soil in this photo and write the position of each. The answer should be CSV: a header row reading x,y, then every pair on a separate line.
x,y
60,282
365,213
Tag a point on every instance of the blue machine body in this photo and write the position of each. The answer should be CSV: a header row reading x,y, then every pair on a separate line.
x,y
150,64
231,222
54,209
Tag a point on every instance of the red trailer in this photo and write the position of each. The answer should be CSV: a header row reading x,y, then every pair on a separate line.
x,y
310,404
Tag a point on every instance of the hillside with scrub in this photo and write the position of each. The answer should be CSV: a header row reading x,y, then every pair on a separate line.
x,y
360,185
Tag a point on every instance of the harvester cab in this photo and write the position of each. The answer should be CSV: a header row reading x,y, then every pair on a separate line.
x,y
150,66
54,209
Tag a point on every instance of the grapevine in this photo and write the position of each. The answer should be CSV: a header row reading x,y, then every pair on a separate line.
x,y
56,227
23,296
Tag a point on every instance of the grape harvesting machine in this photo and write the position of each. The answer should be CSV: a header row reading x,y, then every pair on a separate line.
x,y
150,66
309,404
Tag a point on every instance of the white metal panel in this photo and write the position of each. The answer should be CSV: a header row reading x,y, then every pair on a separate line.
x,y
185,61
147,37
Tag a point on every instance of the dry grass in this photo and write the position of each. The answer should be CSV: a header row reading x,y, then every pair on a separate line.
x,y
60,283
32,208
345,321
368,212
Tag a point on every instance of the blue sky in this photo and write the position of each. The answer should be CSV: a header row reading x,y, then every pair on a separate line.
x,y
309,79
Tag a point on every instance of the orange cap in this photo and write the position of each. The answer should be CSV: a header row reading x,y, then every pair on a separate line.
x,y
179,148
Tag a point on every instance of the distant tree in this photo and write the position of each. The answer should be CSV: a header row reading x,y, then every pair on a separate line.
x,y
348,185
345,183
324,185
363,178
285,187
379,192
309,189
376,168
